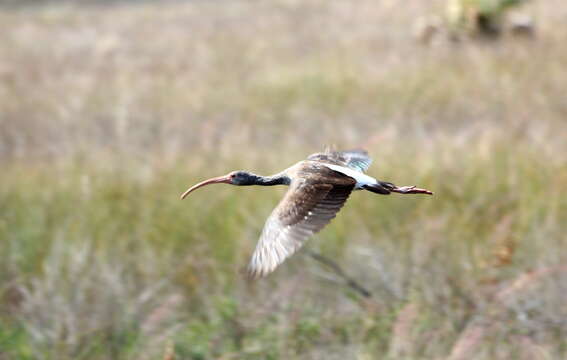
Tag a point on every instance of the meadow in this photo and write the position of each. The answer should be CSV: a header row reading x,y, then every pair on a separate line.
x,y
108,112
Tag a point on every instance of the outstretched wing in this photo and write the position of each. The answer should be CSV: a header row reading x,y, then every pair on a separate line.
x,y
305,209
354,159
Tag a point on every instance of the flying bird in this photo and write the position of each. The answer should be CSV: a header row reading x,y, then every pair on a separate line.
x,y
318,188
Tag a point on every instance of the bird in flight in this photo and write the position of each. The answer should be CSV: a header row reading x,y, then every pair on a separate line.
x,y
318,188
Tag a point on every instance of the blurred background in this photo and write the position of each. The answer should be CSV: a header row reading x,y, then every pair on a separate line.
x,y
110,109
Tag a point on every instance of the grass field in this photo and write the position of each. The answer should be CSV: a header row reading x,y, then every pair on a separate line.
x,y
109,112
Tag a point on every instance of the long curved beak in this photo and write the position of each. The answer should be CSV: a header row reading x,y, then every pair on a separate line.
x,y
218,180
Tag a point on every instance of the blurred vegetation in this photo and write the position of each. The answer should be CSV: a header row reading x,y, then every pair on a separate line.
x,y
482,17
108,114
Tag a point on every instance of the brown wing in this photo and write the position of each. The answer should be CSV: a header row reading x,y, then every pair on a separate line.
x,y
307,207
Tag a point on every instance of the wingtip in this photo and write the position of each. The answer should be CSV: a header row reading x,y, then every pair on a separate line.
x,y
254,274
256,270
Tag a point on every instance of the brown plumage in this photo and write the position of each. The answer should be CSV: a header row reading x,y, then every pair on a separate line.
x,y
319,187
315,196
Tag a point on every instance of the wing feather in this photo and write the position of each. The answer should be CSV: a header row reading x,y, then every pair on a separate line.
x,y
305,209
355,159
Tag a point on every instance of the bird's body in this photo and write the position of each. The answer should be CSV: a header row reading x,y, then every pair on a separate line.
x,y
319,187
360,178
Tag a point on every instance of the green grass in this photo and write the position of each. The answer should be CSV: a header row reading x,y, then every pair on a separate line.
x,y
109,118
104,263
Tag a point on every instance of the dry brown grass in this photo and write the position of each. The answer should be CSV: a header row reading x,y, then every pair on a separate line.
x,y
187,78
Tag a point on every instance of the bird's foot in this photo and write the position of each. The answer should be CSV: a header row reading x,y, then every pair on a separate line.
x,y
411,190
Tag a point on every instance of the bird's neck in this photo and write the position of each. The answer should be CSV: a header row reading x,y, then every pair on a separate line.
x,y
277,179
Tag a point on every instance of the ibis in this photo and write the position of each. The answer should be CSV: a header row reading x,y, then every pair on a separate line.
x,y
318,188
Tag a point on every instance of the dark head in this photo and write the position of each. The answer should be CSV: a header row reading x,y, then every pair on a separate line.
x,y
240,178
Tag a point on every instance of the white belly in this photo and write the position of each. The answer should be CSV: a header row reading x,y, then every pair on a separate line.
x,y
361,179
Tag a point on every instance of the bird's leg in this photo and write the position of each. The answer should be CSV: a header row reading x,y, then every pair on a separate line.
x,y
410,190
385,188
389,187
